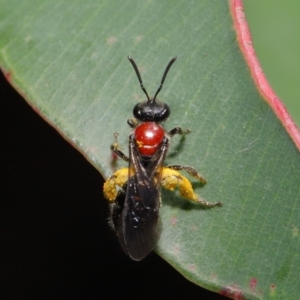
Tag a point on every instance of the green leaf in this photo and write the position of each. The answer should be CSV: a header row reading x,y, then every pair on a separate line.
x,y
69,61
277,44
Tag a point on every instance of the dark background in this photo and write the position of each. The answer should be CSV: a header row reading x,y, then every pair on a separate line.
x,y
55,242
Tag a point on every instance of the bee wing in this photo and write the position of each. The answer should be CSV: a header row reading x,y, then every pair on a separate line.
x,y
139,226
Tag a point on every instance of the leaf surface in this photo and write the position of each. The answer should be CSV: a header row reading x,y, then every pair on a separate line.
x,y
68,59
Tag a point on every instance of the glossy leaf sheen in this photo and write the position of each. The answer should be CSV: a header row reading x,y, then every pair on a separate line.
x,y
69,61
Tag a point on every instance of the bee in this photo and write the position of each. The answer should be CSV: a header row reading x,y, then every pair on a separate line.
x,y
134,192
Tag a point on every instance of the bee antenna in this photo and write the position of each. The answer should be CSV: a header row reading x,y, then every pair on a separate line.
x,y
138,76
164,76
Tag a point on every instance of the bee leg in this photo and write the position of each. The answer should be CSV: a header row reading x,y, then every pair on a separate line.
x,y
116,149
189,170
172,179
116,209
114,183
132,122
178,130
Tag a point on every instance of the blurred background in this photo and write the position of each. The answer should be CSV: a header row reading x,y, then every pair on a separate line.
x,y
275,27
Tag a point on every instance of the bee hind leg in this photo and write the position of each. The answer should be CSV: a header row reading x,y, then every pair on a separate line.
x,y
114,183
172,179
